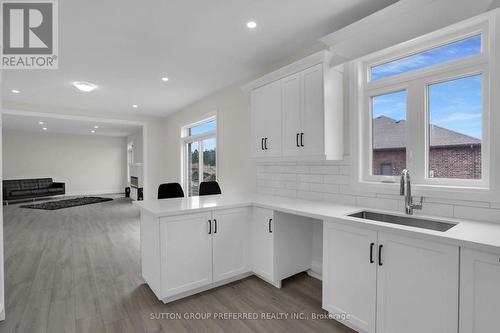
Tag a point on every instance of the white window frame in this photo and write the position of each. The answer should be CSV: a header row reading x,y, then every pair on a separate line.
x,y
186,139
362,89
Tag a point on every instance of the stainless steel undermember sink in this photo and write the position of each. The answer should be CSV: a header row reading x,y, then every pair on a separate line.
x,y
404,220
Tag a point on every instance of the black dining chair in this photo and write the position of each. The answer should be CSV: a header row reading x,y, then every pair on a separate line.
x,y
170,190
208,188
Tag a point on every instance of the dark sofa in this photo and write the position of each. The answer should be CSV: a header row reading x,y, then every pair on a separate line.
x,y
31,188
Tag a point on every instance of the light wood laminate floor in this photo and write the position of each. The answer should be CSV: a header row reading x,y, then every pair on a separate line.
x,y
78,270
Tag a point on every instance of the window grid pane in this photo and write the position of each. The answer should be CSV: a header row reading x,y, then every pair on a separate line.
x,y
389,133
202,128
435,56
455,128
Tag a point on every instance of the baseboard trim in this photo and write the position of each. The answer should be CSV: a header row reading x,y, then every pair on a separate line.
x,y
101,192
315,275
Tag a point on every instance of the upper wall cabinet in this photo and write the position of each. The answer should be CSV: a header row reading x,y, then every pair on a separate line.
x,y
297,111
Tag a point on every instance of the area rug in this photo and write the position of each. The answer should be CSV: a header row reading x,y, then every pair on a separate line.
x,y
67,203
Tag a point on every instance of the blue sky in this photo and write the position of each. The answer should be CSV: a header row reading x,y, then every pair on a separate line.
x,y
455,105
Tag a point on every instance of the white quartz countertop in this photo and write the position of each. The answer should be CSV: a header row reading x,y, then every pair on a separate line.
x,y
480,235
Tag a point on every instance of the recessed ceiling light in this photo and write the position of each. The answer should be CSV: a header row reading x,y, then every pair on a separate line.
x,y
41,123
135,106
84,86
15,91
45,128
96,127
164,79
251,25
93,131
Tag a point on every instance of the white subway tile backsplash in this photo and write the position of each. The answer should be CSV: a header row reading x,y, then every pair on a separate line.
x,y
325,169
477,214
330,181
345,170
310,178
385,204
310,195
340,198
337,179
324,188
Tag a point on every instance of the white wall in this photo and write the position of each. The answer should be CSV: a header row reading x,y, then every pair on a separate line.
x,y
236,170
154,137
87,164
136,140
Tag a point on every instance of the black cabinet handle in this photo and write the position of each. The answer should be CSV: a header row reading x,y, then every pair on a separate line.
x,y
209,227
380,255
371,253
302,139
297,140
265,143
215,225
270,230
262,143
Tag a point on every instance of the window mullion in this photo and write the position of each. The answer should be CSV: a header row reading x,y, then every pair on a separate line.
x,y
200,163
416,131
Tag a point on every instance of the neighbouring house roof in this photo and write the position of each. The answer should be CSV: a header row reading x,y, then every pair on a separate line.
x,y
392,135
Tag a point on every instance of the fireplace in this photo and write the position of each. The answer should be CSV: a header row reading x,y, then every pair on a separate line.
x,y
134,181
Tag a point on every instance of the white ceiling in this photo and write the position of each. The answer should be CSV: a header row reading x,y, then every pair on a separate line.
x,y
126,46
67,126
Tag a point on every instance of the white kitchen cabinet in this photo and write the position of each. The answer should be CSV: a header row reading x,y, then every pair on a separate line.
x,y
387,283
303,102
229,243
350,275
292,114
417,286
266,120
479,291
196,251
186,253
262,247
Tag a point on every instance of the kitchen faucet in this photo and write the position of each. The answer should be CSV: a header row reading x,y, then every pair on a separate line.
x,y
405,189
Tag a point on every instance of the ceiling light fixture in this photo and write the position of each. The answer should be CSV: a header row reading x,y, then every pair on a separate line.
x,y
135,106
251,25
96,127
84,86
164,79
45,128
15,91
93,131
41,123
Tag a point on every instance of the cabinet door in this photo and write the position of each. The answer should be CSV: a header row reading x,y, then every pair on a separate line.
x,y
229,243
292,111
479,292
349,275
186,253
262,247
266,120
313,122
417,286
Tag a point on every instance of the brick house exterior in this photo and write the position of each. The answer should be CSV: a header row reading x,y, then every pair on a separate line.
x,y
452,154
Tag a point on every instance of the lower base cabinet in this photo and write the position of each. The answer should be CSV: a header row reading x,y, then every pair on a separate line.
x,y
262,243
186,253
417,285
386,283
197,250
479,291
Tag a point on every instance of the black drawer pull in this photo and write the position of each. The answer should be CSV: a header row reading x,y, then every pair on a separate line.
x,y
380,255
270,230
215,225
297,140
209,227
